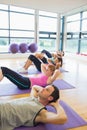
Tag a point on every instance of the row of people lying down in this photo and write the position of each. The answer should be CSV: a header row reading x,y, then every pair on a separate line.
x,y
48,74
21,112
30,111
44,57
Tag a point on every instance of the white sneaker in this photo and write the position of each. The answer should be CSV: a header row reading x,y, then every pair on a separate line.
x,y
23,71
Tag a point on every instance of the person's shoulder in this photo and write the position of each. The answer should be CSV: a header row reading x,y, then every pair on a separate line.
x,y
43,111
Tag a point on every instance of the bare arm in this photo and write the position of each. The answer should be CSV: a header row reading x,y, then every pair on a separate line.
x,y
53,77
35,90
43,68
54,118
58,65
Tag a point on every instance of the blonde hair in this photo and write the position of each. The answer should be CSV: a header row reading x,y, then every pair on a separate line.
x,y
52,67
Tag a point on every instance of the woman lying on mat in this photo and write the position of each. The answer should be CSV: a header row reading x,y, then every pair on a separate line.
x,y
37,59
48,75
30,111
50,55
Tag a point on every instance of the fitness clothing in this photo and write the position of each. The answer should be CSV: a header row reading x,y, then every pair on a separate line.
x,y
37,62
48,54
24,82
40,80
19,112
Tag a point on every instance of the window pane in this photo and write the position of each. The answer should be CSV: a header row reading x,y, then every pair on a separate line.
x,y
3,19
2,6
22,21
85,14
48,44
4,33
47,30
84,25
71,46
21,34
84,46
73,26
47,24
4,45
73,17
22,40
19,9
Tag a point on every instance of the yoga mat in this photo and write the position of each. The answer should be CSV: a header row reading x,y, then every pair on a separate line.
x,y
62,70
61,84
11,89
74,120
33,70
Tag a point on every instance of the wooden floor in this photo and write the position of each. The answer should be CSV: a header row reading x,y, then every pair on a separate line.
x,y
76,75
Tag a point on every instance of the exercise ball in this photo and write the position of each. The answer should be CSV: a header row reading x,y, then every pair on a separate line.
x,y
33,47
14,48
23,47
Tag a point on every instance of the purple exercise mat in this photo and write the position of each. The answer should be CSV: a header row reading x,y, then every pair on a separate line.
x,y
61,84
62,70
11,89
74,120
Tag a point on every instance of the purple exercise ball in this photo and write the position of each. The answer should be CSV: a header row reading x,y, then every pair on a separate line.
x,y
14,48
23,47
33,47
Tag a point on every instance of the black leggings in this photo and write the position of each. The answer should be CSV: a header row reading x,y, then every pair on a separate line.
x,y
36,62
17,79
48,54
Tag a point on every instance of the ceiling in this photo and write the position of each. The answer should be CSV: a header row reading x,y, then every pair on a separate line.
x,y
64,7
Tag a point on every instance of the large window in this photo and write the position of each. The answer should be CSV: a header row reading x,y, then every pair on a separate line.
x,y
84,34
47,30
17,25
77,33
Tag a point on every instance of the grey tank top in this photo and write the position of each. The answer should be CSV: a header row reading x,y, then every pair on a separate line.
x,y
19,112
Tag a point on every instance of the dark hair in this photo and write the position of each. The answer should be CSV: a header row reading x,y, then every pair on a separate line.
x,y
55,94
60,60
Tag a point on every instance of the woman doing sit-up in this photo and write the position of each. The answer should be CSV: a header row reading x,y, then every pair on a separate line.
x,y
37,60
48,75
